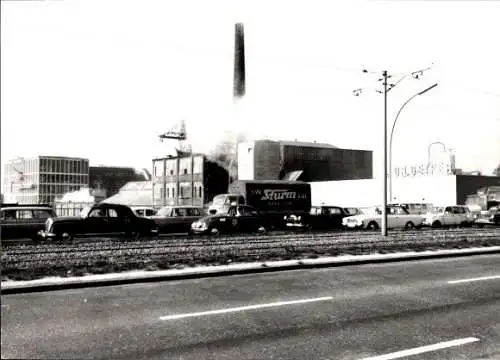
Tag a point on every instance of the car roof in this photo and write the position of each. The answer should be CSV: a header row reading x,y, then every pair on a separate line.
x,y
27,208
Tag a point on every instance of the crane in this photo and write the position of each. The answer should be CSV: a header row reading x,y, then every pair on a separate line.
x,y
177,133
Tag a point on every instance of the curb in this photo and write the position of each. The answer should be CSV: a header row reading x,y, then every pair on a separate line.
x,y
234,269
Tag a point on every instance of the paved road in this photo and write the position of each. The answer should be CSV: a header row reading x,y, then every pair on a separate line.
x,y
356,312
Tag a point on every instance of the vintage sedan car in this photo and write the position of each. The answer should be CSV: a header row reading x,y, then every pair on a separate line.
x,y
23,221
100,220
177,219
321,217
238,219
456,215
397,218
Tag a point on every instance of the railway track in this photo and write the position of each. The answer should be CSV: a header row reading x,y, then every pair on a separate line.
x,y
264,246
110,243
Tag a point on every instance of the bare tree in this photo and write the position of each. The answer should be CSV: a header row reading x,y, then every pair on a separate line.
x,y
496,172
225,153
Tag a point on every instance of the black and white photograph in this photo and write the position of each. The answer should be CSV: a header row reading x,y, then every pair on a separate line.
x,y
236,179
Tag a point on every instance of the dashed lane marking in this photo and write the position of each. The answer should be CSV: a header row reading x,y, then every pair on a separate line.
x,y
423,349
244,308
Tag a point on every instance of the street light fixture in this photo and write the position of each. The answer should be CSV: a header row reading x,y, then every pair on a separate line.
x,y
388,87
429,150
392,133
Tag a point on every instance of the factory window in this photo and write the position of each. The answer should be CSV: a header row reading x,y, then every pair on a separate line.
x,y
171,172
185,171
182,192
199,192
173,192
168,192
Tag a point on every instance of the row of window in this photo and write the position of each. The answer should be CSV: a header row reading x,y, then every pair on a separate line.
x,y
64,166
67,178
171,172
195,192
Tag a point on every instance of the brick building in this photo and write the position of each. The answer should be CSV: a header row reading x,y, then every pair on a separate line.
x,y
187,180
293,160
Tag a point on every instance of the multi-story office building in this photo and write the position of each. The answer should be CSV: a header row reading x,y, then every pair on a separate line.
x,y
187,180
43,178
293,160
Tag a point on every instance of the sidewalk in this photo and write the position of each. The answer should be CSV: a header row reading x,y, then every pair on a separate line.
x,y
59,283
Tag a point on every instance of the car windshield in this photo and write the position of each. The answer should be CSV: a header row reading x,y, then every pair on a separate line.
x,y
438,209
85,211
219,199
164,211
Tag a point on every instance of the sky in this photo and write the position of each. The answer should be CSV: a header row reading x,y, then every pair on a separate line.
x,y
101,79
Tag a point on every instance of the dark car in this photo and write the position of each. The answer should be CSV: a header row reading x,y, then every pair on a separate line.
x,y
322,217
98,220
238,219
176,219
23,221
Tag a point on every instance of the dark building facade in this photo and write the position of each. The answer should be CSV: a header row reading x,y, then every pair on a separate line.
x,y
187,180
112,178
293,160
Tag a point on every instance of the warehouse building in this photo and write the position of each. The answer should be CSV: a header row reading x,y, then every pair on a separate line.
x,y
187,180
305,161
437,183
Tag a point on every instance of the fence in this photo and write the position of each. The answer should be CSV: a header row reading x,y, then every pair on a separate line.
x,y
70,208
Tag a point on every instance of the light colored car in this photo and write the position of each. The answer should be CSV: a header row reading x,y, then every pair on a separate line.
x,y
456,215
397,218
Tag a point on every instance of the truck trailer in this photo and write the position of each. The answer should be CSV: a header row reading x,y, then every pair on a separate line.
x,y
275,199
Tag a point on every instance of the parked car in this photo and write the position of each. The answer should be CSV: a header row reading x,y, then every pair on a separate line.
x,y
415,208
321,217
397,218
143,210
23,221
456,215
177,219
238,219
99,220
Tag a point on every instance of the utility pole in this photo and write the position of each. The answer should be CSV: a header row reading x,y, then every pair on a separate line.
x,y
388,87
384,202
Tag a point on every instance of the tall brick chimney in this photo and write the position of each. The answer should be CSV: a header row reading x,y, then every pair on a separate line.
x,y
239,85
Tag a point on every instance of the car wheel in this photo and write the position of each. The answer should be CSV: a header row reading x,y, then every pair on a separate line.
x,y
372,225
409,226
261,230
463,224
214,231
436,224
66,236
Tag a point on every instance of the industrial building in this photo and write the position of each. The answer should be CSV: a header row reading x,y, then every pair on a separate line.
x,y
43,178
437,182
187,179
305,161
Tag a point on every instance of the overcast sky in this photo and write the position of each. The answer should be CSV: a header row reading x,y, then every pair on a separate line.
x,y
102,79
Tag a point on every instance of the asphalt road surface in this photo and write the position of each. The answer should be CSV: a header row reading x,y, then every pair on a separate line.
x,y
434,309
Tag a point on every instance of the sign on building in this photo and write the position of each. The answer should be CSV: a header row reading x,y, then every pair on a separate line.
x,y
419,170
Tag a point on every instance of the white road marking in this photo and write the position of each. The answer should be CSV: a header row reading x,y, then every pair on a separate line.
x,y
243,308
474,279
423,349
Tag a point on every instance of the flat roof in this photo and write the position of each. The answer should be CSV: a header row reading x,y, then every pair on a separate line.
x,y
170,157
306,144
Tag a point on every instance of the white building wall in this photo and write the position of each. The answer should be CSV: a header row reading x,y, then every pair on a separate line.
x,y
438,190
246,160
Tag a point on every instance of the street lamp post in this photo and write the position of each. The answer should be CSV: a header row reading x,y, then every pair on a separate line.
x,y
392,133
429,150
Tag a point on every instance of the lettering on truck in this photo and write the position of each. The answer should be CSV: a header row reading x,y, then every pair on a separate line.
x,y
270,194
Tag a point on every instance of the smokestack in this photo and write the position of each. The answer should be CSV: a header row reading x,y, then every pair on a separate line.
x,y
239,62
